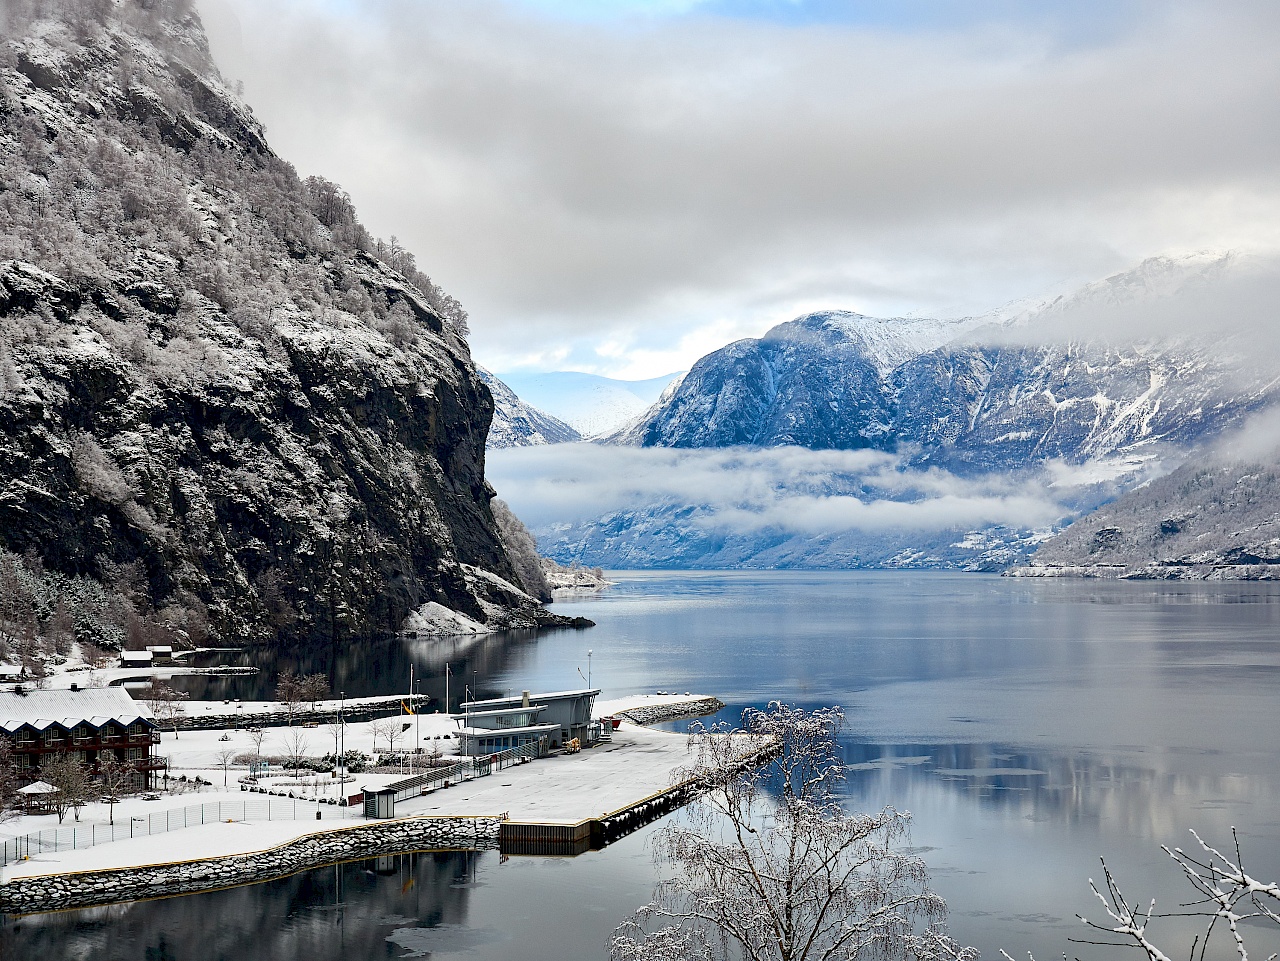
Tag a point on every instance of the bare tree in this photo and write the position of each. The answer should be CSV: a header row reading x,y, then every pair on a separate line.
x,y
113,775
1226,896
164,702
768,867
225,757
314,687
256,736
71,779
290,693
388,729
296,744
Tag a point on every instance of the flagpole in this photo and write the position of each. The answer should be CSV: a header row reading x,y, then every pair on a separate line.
x,y
415,717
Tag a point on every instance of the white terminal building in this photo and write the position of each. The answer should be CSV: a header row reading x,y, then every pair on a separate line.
x,y
552,720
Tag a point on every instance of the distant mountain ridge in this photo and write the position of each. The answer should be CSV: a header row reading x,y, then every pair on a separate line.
x,y
518,424
1208,520
971,395
589,403
1007,394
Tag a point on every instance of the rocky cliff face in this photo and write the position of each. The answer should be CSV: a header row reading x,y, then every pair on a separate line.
x,y
217,391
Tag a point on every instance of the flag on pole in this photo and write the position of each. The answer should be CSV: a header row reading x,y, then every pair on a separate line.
x,y
407,709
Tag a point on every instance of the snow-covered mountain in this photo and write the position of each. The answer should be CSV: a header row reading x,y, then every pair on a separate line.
x,y
997,392
588,403
1114,373
1209,519
517,424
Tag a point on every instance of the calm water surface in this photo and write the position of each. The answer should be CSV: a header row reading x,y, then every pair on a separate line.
x,y
1029,726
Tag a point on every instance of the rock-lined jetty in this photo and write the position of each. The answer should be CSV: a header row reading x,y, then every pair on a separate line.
x,y
80,889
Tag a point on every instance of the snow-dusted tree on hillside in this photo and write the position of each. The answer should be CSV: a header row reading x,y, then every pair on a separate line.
x,y
768,866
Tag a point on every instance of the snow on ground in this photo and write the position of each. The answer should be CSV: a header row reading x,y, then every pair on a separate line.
x,y
637,762
564,788
189,844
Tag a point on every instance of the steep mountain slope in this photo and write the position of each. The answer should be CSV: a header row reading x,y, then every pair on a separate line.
x,y
591,404
218,394
818,381
517,424
1208,519
989,393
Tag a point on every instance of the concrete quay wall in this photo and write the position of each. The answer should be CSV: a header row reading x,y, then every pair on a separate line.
x,y
88,888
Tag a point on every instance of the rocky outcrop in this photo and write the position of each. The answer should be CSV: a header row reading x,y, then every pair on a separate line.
x,y
218,393
675,711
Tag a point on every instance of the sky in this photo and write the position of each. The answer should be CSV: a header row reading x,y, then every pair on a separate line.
x,y
620,186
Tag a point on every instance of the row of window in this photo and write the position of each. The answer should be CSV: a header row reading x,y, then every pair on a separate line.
x,y
491,744
88,758
82,732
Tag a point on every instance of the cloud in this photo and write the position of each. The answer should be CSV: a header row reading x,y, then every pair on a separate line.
x,y
1223,305
789,490
583,181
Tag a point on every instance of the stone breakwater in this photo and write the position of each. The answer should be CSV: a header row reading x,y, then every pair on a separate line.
x,y
676,711
88,888
366,710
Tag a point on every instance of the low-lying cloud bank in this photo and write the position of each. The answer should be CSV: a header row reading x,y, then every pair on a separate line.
x,y
790,491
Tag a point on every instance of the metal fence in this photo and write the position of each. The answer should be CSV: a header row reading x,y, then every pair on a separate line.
x,y
78,836
471,767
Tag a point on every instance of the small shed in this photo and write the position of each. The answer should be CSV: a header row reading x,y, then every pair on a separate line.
x,y
380,803
136,658
161,653
37,797
10,672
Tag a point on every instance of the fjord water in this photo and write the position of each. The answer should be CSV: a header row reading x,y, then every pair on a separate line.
x,y
1030,726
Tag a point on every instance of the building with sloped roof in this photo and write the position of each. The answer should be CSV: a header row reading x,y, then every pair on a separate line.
x,y
88,723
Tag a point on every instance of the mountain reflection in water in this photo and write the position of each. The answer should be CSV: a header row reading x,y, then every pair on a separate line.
x,y
1030,727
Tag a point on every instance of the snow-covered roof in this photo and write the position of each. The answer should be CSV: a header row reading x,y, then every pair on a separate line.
x,y
534,699
38,787
505,711
506,731
95,706
137,655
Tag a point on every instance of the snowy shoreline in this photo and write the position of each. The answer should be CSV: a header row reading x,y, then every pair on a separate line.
x,y
639,762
